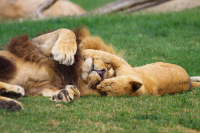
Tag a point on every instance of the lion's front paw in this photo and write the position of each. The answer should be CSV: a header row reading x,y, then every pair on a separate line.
x,y
105,84
67,95
94,76
64,51
12,91
10,104
108,88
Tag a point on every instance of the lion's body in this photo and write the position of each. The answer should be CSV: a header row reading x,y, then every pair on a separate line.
x,y
152,79
48,65
24,70
27,73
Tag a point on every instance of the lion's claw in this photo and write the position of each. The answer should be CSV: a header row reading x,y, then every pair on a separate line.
x,y
67,95
64,51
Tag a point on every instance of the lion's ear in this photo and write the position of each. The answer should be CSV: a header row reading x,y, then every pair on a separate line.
x,y
135,82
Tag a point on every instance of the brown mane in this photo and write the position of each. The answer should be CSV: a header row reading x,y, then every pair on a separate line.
x,y
62,75
7,69
69,74
81,33
23,48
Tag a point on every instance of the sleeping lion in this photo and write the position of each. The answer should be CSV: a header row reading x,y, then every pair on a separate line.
x,y
51,65
152,79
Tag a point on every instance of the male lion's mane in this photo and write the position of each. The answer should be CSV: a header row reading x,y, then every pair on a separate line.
x,y
7,69
62,75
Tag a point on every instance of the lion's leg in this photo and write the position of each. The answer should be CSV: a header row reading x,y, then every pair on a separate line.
x,y
46,88
68,94
8,103
43,87
60,43
9,90
106,57
48,92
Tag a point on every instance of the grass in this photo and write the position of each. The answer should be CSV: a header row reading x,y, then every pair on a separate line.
x,y
146,38
89,5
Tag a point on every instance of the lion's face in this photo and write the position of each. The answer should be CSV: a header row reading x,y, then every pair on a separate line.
x,y
100,68
95,71
122,85
103,70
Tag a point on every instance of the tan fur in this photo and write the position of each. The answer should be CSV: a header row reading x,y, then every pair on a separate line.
x,y
61,43
152,79
96,43
92,42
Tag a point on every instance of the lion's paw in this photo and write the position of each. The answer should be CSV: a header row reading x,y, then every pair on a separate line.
x,y
94,76
12,91
64,51
10,104
67,95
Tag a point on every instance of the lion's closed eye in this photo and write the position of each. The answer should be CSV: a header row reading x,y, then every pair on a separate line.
x,y
111,84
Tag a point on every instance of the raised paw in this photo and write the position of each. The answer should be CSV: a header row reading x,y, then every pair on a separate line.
x,y
66,58
12,91
67,95
10,104
94,78
65,48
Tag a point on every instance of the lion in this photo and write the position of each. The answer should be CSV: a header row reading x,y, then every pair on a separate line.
x,y
51,65
66,65
152,79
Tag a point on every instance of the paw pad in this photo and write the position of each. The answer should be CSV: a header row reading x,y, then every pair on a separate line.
x,y
10,105
63,95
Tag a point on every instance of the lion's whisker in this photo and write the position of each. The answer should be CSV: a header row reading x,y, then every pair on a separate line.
x,y
88,85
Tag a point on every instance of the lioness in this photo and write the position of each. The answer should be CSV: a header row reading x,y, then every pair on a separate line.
x,y
51,65
153,79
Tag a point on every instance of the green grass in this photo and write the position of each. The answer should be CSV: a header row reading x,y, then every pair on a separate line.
x,y
89,5
146,38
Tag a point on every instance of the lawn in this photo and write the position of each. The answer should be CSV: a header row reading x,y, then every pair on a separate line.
x,y
173,37
89,5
